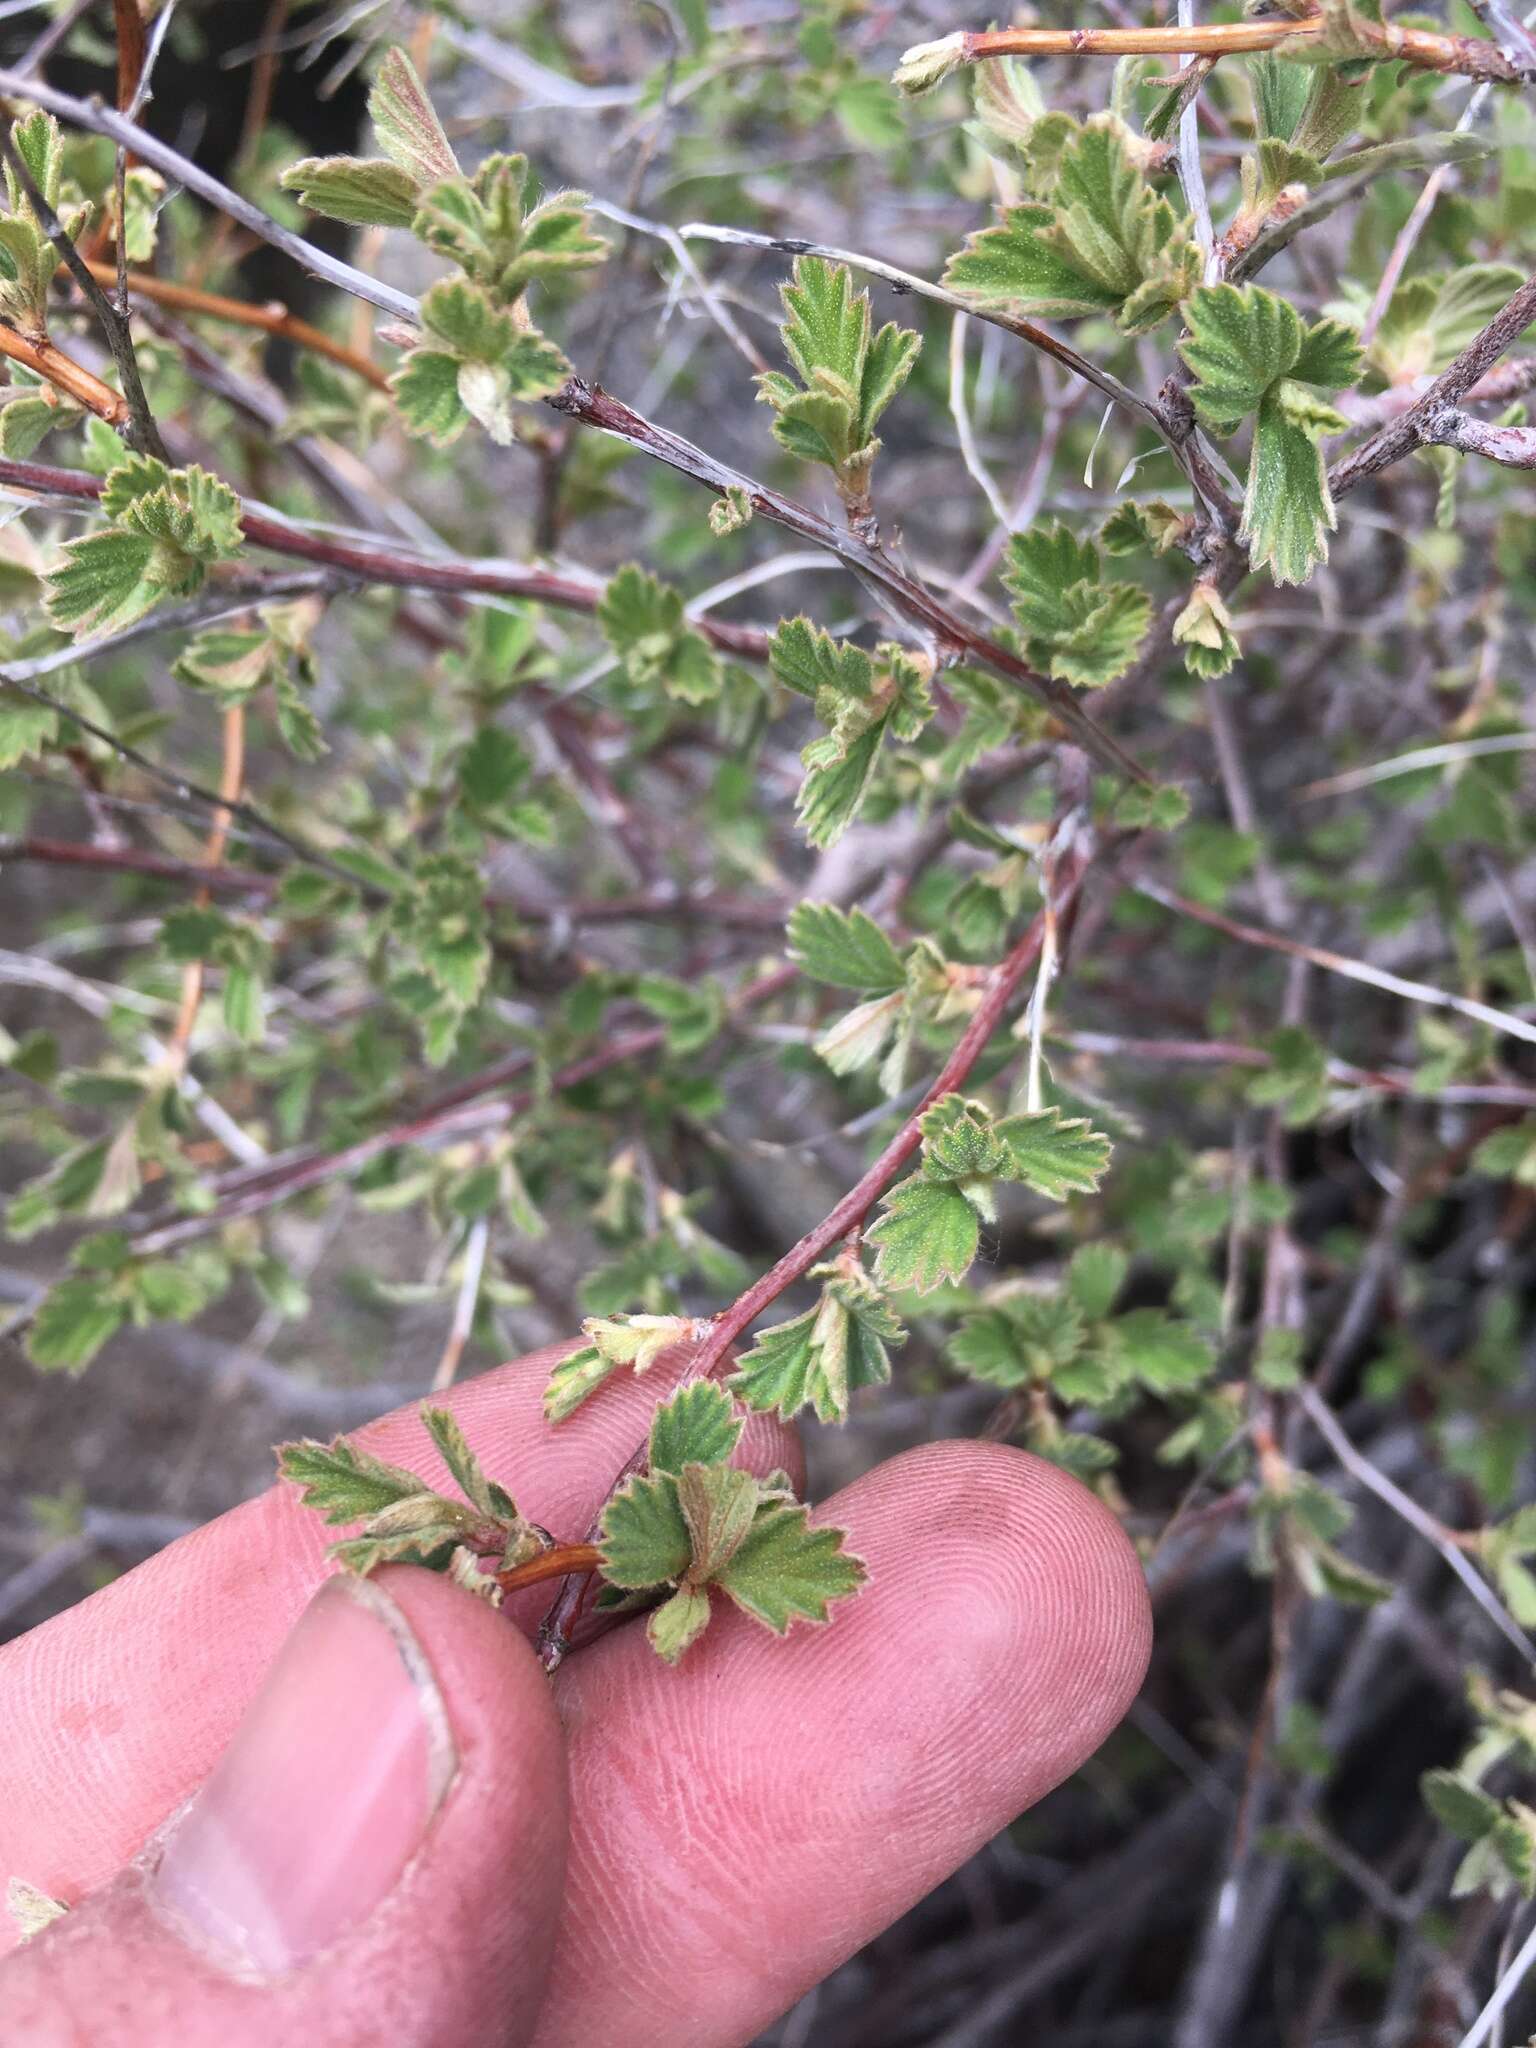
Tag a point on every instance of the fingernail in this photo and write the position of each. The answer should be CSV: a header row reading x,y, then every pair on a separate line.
x,y
323,1796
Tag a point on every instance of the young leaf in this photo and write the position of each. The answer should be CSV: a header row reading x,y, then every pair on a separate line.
x,y
636,1341
407,128
574,1379
1106,243
844,948
928,1234
366,192
784,1569
821,1358
678,1622
73,1320
469,1476
341,1482
698,1426
1054,1155
1076,627
644,1538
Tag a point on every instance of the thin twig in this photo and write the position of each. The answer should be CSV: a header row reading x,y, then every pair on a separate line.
x,y
1462,54
1376,1481
139,430
1417,425
465,1303
271,319
1338,963
66,375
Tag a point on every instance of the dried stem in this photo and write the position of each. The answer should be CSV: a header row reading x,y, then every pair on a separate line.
x,y
953,638
139,429
66,375
273,319
1466,55
1421,422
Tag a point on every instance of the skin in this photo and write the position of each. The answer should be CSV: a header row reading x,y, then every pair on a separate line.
x,y
637,1855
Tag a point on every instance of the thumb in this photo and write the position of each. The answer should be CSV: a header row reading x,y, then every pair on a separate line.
x,y
378,1856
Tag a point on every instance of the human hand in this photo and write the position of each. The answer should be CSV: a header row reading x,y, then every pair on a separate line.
x,y
400,1832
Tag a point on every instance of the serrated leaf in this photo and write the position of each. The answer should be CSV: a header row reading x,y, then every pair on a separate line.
x,y
1095,1277
719,1505
643,1536
960,1141
426,390
1166,1355
1076,627
644,623
807,659
25,728
1288,509
844,949
859,1037
469,1476
1106,243
407,127
1053,1154
1204,630
1458,1804
366,192
574,1379
785,1570
343,1483
678,1622
927,1235
697,1426
73,1321
1239,341
820,1359
836,783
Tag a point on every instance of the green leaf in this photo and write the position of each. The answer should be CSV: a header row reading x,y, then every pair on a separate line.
x,y
1076,627
103,584
574,1379
1204,630
408,130
1106,243
844,948
719,1505
928,1234
807,659
366,192
1166,1355
697,1426
1288,509
469,1476
426,389
1054,1155
821,1358
73,1320
785,1570
643,1535
1239,341
961,1142
836,783
859,1037
25,728
1029,1338
643,621
1095,1277
341,1482
678,1622
1466,1809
